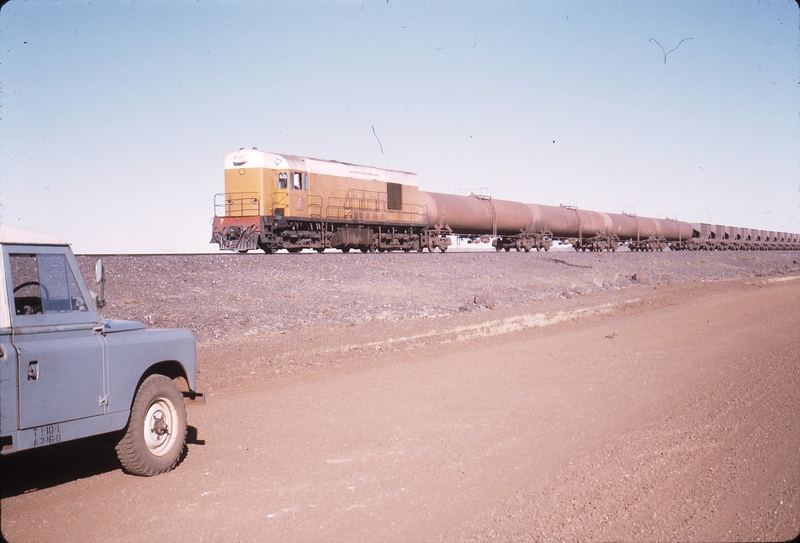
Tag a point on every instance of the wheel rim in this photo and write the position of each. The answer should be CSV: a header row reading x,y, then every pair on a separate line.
x,y
158,428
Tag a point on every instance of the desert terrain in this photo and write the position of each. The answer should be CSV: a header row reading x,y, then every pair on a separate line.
x,y
458,397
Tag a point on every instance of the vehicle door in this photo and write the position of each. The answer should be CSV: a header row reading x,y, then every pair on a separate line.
x,y
280,198
298,189
60,355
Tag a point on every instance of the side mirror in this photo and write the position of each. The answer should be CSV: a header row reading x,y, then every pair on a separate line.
x,y
100,276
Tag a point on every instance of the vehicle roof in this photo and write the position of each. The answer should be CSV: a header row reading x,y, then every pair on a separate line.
x,y
15,235
253,158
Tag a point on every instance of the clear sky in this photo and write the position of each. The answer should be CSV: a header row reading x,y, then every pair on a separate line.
x,y
116,115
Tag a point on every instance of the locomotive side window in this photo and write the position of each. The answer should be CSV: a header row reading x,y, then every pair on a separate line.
x,y
394,196
282,180
297,180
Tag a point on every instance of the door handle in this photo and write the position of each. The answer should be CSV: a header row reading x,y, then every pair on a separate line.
x,y
33,370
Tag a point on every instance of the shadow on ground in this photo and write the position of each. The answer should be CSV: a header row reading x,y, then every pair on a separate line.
x,y
37,469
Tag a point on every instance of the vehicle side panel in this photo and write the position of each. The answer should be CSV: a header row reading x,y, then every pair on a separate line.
x,y
132,353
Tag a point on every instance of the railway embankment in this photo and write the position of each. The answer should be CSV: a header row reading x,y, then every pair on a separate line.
x,y
223,296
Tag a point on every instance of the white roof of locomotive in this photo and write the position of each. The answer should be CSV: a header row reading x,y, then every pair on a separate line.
x,y
253,158
16,235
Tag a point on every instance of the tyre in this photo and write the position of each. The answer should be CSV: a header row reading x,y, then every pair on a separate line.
x,y
156,434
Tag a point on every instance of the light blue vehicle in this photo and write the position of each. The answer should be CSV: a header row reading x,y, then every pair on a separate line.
x,y
66,373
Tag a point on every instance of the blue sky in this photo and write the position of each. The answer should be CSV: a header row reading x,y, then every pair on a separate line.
x,y
115,116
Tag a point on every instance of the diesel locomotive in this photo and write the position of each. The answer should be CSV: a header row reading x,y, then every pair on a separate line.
x,y
277,201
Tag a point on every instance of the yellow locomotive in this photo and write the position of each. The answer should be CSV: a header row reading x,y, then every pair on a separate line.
x,y
274,202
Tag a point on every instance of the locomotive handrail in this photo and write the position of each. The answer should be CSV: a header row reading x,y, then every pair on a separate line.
x,y
279,201
315,206
236,204
356,200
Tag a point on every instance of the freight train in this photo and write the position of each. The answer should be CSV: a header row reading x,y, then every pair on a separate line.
x,y
277,201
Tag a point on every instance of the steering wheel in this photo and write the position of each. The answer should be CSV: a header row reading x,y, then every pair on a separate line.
x,y
32,284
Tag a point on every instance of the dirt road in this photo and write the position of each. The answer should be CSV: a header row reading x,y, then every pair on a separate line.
x,y
644,414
